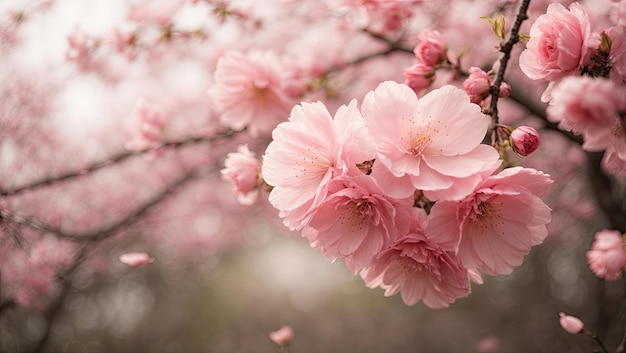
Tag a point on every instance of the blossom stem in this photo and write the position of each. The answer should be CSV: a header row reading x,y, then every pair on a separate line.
x,y
595,338
504,60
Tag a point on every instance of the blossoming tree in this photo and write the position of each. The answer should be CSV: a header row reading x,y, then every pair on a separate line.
x,y
428,146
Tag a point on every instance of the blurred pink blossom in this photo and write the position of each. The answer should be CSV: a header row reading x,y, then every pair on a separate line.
x,y
432,144
148,125
251,91
607,256
589,107
525,140
242,169
136,259
571,324
559,43
493,228
282,336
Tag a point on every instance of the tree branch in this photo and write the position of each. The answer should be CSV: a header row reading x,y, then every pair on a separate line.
x,y
504,60
113,160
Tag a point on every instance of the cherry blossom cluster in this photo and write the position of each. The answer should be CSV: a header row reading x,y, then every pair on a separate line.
x,y
404,191
586,93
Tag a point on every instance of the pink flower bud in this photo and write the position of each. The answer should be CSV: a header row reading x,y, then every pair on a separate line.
x,y
477,85
432,50
135,259
525,140
419,76
505,90
571,324
607,257
283,336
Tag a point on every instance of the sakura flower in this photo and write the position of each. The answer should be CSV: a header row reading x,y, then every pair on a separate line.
x,y
559,43
478,86
525,140
614,160
282,336
148,125
306,153
136,259
607,256
617,55
571,324
591,107
432,48
420,270
493,228
251,91
431,144
242,169
357,220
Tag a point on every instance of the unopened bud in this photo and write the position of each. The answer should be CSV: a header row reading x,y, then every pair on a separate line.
x,y
571,324
505,90
283,336
525,140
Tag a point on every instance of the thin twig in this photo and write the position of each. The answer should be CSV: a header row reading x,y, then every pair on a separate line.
x,y
122,156
504,60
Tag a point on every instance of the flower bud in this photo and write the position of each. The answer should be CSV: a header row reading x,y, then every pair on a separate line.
x,y
432,50
477,85
136,259
525,140
505,90
242,169
282,336
571,324
419,76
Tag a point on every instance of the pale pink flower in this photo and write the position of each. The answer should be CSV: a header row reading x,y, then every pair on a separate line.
x,y
418,269
617,55
136,259
607,256
250,91
357,220
614,160
431,144
493,228
307,152
432,48
559,43
589,107
525,140
242,169
571,324
148,125
282,336
488,344
419,76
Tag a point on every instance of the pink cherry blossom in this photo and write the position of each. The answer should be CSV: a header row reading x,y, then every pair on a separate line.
x,y
251,91
136,259
306,153
607,256
419,76
617,55
148,125
614,160
493,228
525,140
419,269
588,106
431,144
282,336
559,43
571,324
357,220
432,48
242,169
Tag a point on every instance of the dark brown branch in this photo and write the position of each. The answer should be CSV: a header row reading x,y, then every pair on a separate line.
x,y
504,60
111,229
120,157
